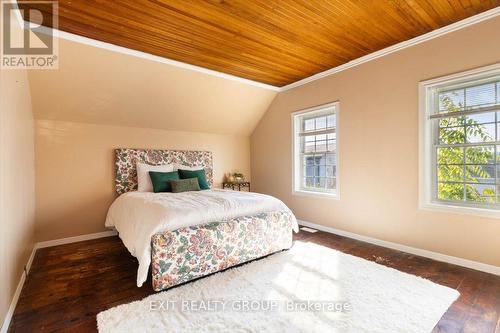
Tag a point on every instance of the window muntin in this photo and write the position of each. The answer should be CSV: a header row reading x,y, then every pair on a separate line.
x,y
465,130
315,150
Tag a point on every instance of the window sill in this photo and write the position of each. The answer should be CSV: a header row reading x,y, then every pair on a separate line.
x,y
455,209
324,195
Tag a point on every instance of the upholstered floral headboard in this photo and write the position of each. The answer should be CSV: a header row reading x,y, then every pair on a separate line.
x,y
127,158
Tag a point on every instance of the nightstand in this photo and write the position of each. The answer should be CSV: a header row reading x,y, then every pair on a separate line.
x,y
236,186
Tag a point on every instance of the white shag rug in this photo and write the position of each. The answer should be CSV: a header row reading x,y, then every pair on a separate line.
x,y
309,288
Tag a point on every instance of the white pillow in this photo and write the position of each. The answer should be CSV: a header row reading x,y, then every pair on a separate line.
x,y
185,167
144,180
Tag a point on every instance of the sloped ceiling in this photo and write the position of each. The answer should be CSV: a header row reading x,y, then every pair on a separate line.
x,y
94,85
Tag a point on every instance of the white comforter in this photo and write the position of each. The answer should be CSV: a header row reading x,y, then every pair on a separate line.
x,y
139,215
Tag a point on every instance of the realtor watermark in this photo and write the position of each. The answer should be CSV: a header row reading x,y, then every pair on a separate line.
x,y
249,306
28,34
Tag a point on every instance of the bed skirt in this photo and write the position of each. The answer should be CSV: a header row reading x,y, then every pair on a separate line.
x,y
188,253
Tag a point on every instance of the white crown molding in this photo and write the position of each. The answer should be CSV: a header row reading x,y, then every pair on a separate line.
x,y
408,249
489,14
39,245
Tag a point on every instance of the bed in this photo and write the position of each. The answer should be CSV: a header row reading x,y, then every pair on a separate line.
x,y
185,236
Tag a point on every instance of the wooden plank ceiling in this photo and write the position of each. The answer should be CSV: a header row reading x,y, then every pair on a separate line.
x,y
275,42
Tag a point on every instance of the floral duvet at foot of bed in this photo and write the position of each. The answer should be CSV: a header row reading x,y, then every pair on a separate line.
x,y
188,253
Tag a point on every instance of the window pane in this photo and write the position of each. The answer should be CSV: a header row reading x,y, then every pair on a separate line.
x,y
309,160
483,95
447,191
452,135
310,171
319,159
331,120
480,133
321,146
480,193
320,182
330,183
320,123
450,173
309,124
309,182
481,118
450,155
321,171
310,147
332,145
479,155
330,171
451,101
331,159
480,173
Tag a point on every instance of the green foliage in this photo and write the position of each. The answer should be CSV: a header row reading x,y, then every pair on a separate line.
x,y
457,164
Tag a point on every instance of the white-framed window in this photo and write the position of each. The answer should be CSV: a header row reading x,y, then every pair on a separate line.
x,y
460,142
315,156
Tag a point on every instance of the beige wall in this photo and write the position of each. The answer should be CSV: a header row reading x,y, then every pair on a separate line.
x,y
17,200
379,148
75,169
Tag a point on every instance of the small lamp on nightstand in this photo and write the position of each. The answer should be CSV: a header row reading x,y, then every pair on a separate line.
x,y
236,181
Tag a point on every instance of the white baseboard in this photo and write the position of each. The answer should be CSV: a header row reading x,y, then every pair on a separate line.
x,y
17,293
30,259
13,303
75,239
404,248
39,245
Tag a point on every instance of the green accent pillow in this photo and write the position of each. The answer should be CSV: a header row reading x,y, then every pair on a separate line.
x,y
184,185
200,174
161,180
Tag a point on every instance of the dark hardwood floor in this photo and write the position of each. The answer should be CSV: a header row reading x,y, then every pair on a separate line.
x,y
69,284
